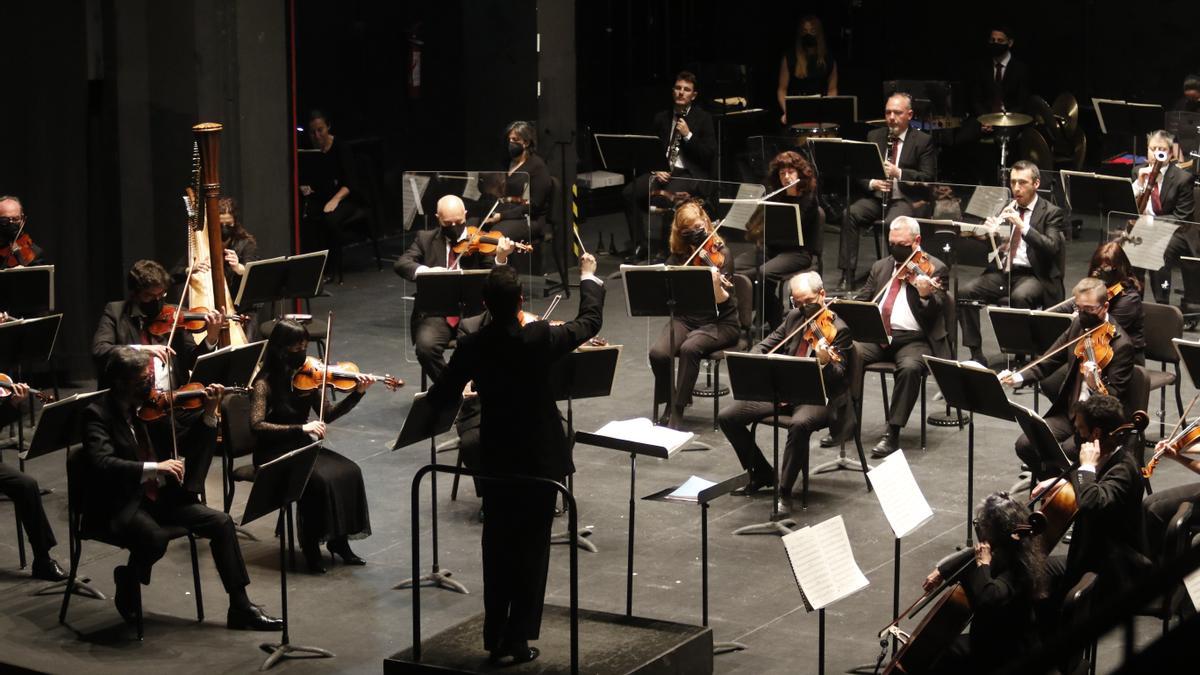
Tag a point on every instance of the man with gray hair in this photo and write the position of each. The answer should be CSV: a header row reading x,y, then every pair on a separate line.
x,y
913,305
1171,196
808,301
908,155
12,226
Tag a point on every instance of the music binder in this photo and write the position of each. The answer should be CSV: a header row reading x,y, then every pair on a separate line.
x,y
823,563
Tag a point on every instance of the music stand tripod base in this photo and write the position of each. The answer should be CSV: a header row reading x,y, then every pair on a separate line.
x,y
779,524
81,587
839,463
580,540
728,647
279,651
436,577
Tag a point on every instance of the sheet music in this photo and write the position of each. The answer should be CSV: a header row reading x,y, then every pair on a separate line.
x,y
1192,583
471,189
823,563
1100,112
987,200
642,430
412,206
899,495
739,214
690,490
1146,244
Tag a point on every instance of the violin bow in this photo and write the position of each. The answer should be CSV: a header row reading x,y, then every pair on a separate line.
x,y
794,333
875,300
715,227
325,372
1061,347
168,363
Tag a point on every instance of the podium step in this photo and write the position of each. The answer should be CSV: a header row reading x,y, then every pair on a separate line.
x,y
608,643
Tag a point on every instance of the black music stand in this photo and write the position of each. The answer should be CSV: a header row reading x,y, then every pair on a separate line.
x,y
59,428
945,238
282,278
863,319
659,290
277,485
1126,118
1099,195
630,152
1039,434
1189,353
703,499
838,159
231,366
587,372
450,293
28,341
424,422
976,390
839,110
27,291
1027,332
781,225
775,379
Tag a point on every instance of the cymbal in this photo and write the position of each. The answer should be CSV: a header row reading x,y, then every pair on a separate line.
x,y
1066,108
1004,120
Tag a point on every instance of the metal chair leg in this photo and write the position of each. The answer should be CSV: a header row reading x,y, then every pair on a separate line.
x,y
887,407
196,580
716,367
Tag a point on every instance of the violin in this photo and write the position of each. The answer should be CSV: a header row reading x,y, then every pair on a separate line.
x,y
478,241
342,376
823,328
525,318
1176,443
193,320
190,396
7,386
19,252
1113,291
919,263
1096,346
710,254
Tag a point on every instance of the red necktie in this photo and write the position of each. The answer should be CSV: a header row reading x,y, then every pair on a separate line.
x,y
1155,200
1014,240
889,301
146,454
451,258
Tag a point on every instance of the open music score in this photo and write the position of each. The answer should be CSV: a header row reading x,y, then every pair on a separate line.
x,y
642,431
900,497
823,563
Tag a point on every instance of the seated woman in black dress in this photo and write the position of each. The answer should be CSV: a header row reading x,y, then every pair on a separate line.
x,y
695,337
1003,584
768,265
333,508
524,168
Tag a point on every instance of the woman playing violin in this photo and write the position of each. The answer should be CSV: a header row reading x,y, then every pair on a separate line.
x,y
1002,584
694,336
333,508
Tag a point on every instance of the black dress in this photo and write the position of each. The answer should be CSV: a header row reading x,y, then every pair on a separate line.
x,y
512,223
334,503
815,83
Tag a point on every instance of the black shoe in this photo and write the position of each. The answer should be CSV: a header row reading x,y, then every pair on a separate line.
x,y
252,618
827,441
342,548
511,657
313,559
637,256
754,486
47,569
978,357
126,596
886,446
847,283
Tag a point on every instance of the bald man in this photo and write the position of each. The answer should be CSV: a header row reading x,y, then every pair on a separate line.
x,y
808,298
431,251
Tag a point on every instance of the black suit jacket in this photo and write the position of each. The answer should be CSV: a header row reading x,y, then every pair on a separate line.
x,y
1045,243
918,161
837,383
521,429
1014,87
696,154
429,249
1108,527
930,312
1178,200
1116,376
118,327
110,471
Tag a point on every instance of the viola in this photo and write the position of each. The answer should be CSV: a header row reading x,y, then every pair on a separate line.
x,y
7,386
192,320
823,328
190,396
478,241
342,376
19,252
1096,346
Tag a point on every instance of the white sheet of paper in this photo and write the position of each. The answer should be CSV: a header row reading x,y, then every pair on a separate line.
x,y
987,200
690,490
739,214
1150,237
471,189
899,495
1192,583
642,430
412,206
823,563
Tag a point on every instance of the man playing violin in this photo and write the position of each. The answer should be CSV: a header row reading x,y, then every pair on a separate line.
x,y
433,251
913,305
1171,196
1029,270
1160,507
1084,378
132,489
16,248
808,301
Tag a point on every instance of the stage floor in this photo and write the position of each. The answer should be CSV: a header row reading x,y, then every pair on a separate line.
x,y
356,613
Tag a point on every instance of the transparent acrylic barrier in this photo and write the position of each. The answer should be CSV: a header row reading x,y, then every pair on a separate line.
x,y
1146,239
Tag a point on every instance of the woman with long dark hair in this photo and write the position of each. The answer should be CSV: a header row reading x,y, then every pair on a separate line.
x,y
333,508
808,67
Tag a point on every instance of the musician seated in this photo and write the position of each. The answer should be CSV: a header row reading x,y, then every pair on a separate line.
x,y
1029,271
689,147
693,336
22,489
1110,265
518,217
1084,377
1171,196
1189,101
1004,575
15,250
808,300
134,489
433,251
767,265
330,188
1107,536
908,155
913,305
131,322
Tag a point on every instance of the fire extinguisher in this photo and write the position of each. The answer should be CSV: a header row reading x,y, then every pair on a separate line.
x,y
414,64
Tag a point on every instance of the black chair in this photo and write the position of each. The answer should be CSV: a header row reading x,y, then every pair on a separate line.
x,y
885,368
237,441
1162,323
743,289
77,536
1176,542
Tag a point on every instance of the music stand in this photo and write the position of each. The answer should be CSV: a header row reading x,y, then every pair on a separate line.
x,y
839,159
275,279
1039,434
28,341
277,485
232,366
1098,194
974,389
424,422
703,499
863,320
630,152
659,290
775,379
781,225
587,372
59,428
27,291
1027,332
450,293
839,110
1126,118
1189,353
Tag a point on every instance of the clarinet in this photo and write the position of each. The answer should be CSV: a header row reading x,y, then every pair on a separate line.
x,y
676,138
886,195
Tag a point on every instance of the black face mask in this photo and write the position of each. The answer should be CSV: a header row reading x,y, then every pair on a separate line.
x,y
810,309
151,309
1109,277
808,41
694,236
900,253
293,360
227,232
1089,321
8,231
515,149
997,50
452,232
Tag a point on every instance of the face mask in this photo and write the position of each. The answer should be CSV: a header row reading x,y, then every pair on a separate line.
x,y
900,253
9,230
1109,277
152,308
293,360
515,149
997,50
452,232
694,236
808,41
810,309
227,232
1089,321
